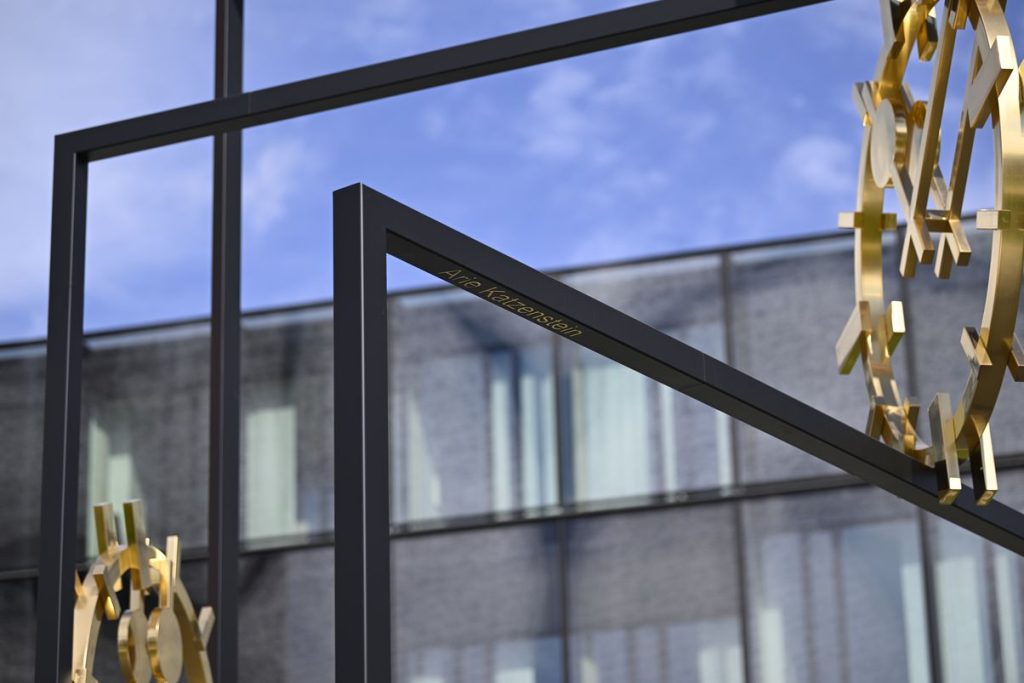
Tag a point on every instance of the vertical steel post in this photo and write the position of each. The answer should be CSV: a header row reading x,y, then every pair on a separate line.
x,y
362,573
59,516
225,356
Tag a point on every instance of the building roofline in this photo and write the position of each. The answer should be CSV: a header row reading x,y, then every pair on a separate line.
x,y
425,289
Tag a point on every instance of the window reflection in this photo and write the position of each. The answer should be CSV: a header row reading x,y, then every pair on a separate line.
x,y
441,439
483,405
145,411
111,468
478,606
833,577
473,419
17,629
655,597
521,386
22,378
613,454
270,466
1007,587
978,598
632,436
286,425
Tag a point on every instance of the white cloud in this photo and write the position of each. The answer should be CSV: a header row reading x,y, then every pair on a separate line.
x,y
559,127
271,178
819,164
68,66
287,40
435,122
382,28
589,111
148,215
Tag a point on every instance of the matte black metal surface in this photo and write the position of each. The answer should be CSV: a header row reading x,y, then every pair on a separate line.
x,y
225,357
361,481
59,515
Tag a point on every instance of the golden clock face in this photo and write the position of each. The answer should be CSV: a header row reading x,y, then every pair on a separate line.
x,y
900,152
171,639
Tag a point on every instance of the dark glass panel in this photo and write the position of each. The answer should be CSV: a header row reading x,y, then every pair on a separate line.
x,y
17,630
475,606
654,596
22,374
835,588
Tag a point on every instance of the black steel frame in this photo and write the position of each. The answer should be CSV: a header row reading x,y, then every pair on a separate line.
x,y
224,117
367,227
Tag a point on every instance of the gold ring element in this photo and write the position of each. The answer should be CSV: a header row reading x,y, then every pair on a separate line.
x,y
172,639
900,150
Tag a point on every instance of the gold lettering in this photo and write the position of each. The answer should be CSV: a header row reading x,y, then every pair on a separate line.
x,y
503,298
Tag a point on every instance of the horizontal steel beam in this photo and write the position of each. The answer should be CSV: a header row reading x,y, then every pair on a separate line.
x,y
471,60
542,300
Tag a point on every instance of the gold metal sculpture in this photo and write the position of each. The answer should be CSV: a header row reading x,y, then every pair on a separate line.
x,y
900,150
171,638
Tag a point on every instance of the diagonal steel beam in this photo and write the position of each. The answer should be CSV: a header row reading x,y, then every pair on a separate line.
x,y
429,69
521,290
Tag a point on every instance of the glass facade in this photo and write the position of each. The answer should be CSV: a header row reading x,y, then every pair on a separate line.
x,y
836,589
556,518
654,596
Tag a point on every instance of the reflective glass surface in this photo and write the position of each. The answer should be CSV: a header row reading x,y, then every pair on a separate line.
x,y
478,606
490,416
145,412
472,408
22,375
287,424
17,630
286,617
978,588
832,577
655,597
629,435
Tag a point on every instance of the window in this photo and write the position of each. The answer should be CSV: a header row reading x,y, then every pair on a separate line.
x,y
831,577
473,423
478,606
112,476
270,476
654,597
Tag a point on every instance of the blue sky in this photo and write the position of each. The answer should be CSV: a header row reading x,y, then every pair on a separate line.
x,y
738,133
